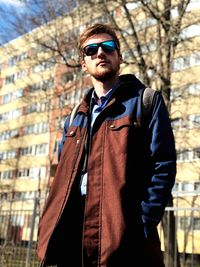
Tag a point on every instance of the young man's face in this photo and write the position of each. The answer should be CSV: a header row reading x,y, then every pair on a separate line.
x,y
101,62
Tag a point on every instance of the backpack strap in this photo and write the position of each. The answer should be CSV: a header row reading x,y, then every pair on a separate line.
x,y
148,95
73,113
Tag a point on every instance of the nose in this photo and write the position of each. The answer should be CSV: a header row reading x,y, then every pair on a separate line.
x,y
100,51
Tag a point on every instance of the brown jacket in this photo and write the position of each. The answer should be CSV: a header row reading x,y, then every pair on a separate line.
x,y
131,171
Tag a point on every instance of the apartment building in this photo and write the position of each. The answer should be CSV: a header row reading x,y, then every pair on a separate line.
x,y
38,89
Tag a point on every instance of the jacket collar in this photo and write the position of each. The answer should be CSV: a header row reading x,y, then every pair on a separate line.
x,y
124,80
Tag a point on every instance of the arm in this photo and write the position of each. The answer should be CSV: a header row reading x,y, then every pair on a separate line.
x,y
163,166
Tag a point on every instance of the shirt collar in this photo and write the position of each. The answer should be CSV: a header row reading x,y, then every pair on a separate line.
x,y
102,98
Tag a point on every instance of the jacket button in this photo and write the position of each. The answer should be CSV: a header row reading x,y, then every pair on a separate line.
x,y
71,133
112,126
77,141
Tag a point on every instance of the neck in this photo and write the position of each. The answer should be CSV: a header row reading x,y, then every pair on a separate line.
x,y
101,88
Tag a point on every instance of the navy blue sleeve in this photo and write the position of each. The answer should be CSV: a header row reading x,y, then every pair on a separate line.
x,y
163,159
66,126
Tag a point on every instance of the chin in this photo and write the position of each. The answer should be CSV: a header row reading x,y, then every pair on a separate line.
x,y
104,76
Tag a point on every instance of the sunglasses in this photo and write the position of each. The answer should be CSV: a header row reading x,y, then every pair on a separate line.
x,y
107,46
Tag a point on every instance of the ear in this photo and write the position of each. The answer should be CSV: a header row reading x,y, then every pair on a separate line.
x,y
83,65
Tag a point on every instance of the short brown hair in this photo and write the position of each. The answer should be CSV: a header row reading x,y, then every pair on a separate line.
x,y
97,29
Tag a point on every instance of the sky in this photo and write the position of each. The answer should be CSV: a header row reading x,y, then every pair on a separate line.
x,y
9,10
12,11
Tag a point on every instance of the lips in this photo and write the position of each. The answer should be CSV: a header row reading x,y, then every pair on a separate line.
x,y
102,62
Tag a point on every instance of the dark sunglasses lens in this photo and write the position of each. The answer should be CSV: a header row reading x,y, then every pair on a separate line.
x,y
107,46
91,50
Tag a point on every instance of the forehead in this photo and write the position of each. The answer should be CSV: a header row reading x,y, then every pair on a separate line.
x,y
97,38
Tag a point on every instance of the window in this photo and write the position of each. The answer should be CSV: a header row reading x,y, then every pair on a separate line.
x,y
196,154
184,155
61,123
186,62
13,60
34,87
41,149
39,48
12,78
195,59
176,187
72,97
179,123
196,223
181,63
192,223
191,31
38,107
184,223
6,175
48,84
132,6
194,89
197,186
37,172
9,79
25,151
32,108
36,128
193,4
174,12
17,94
4,196
195,120
8,134
33,173
23,173
21,74
127,55
44,85
17,113
9,154
142,24
7,98
181,92
186,186
43,66
12,114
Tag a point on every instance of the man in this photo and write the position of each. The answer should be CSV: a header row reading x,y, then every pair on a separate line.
x,y
115,173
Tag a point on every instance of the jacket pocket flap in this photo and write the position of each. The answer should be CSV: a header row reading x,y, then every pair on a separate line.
x,y
71,131
118,124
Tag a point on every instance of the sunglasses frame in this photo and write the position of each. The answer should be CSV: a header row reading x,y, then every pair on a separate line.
x,y
103,45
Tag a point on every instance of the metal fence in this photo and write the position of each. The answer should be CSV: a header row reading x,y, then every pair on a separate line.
x,y
179,234
18,232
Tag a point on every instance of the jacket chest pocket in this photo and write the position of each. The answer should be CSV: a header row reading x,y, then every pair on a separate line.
x,y
123,134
